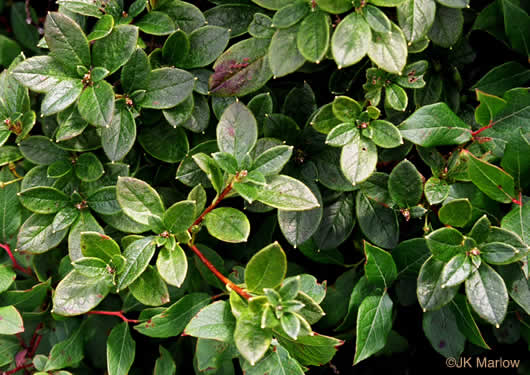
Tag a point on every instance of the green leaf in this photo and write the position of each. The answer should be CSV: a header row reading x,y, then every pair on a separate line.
x,y
435,125
517,284
238,80
436,190
466,322
97,245
59,168
138,200
66,40
290,15
206,44
491,180
335,6
135,73
41,73
172,148
441,329
457,270
374,322
10,208
137,255
92,267
11,322
176,48
377,19
43,199
63,95
311,350
7,277
237,131
516,26
183,114
172,320
378,222
380,268
77,294
113,51
351,40
287,193
447,26
313,36
88,168
71,124
213,172
172,265
156,23
251,340
167,87
149,288
67,353
284,57
516,159
456,213
336,224
266,268
388,50
346,109
236,17
272,161
102,28
447,242
487,294
96,104
37,236
384,134
502,78
405,184
518,221
121,350
104,201
215,321
164,364
179,217
342,134
416,18
260,27
84,7
118,138
275,362
226,162
396,97
430,291
227,224
358,159
84,223
502,247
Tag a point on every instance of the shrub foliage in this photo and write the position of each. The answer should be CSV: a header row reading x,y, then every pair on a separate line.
x,y
184,176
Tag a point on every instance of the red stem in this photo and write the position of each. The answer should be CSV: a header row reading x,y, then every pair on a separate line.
x,y
18,368
214,204
218,274
477,132
119,314
15,263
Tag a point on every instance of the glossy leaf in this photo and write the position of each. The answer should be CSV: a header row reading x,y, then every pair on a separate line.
x,y
227,224
121,350
266,269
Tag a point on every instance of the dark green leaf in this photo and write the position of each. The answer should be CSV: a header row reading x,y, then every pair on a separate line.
x,y
284,57
172,265
97,245
96,104
251,340
456,213
113,51
43,199
156,23
441,329
378,222
171,148
206,44
138,200
313,37
67,353
149,288
167,87
266,269
374,322
487,294
215,321
405,184
430,291
121,350
227,224
137,255
37,236
447,26
351,40
380,268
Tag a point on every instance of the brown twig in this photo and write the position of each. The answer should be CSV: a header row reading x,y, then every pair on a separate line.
x,y
214,204
118,314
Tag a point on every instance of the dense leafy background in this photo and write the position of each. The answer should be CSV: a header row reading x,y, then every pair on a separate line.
x,y
357,169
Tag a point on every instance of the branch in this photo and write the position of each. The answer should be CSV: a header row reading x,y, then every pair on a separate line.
x,y
477,132
218,274
16,266
118,314
17,369
214,204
